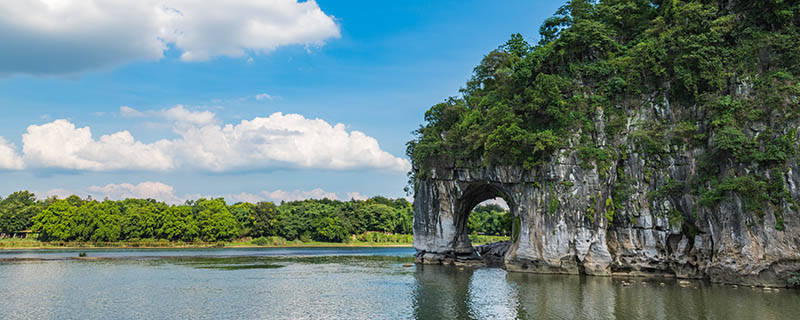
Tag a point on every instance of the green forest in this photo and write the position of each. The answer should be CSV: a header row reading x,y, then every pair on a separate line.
x,y
377,219
728,70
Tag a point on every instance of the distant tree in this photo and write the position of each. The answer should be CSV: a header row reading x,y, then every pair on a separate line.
x,y
56,222
264,219
215,221
243,212
179,224
331,228
17,210
107,222
489,219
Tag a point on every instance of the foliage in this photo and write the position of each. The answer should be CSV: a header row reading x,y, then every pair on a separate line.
x,y
209,220
478,239
490,219
720,77
17,210
794,279
381,237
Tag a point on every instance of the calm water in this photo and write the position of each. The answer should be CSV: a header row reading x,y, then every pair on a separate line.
x,y
331,283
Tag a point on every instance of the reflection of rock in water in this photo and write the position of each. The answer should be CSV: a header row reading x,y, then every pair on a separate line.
x,y
581,297
564,296
441,292
447,292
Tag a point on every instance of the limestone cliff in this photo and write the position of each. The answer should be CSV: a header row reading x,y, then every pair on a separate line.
x,y
567,221
634,137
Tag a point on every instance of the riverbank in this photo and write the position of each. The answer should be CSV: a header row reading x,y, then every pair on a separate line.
x,y
30,244
13,244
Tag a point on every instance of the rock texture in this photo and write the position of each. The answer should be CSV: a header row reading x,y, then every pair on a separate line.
x,y
564,223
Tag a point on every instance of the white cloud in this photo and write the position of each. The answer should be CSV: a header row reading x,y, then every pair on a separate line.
x,y
178,113
144,190
263,96
92,35
294,195
183,115
9,159
356,196
166,193
59,144
129,112
244,197
277,141
58,193
498,201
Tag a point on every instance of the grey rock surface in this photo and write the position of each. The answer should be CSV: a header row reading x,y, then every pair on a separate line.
x,y
567,225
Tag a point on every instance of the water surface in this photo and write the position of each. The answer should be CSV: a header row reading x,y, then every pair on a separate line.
x,y
343,283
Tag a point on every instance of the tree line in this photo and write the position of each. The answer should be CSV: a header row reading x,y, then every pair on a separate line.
x,y
88,220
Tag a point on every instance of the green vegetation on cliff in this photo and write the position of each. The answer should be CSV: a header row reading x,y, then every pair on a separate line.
x,y
728,72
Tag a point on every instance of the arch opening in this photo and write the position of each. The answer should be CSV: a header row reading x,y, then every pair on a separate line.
x,y
491,226
489,221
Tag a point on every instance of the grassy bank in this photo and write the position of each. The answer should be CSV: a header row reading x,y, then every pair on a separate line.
x,y
36,244
266,242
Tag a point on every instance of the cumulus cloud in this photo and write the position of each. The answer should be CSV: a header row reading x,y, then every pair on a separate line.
x,y
277,141
166,193
356,196
180,114
58,193
291,195
144,190
294,195
9,159
92,35
59,144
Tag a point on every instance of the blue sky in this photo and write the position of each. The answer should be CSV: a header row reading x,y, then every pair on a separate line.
x,y
374,67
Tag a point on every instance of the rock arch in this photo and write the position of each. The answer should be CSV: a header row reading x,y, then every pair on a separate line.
x,y
442,205
553,232
568,223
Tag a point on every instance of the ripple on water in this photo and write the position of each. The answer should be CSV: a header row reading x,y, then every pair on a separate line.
x,y
343,284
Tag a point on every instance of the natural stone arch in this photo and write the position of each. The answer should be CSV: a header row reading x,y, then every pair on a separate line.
x,y
570,222
442,206
474,193
562,241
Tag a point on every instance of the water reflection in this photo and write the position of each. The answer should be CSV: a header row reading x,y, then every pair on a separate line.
x,y
453,293
441,292
336,284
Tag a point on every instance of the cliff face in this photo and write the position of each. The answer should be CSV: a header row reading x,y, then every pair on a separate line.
x,y
571,217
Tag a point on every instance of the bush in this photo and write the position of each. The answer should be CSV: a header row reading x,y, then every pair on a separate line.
x,y
260,241
267,241
794,279
380,237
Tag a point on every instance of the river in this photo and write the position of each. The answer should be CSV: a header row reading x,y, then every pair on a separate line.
x,y
344,283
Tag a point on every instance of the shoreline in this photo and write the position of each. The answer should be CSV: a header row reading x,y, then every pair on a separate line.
x,y
235,246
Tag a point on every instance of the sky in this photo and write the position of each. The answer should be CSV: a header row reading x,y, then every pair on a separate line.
x,y
251,100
